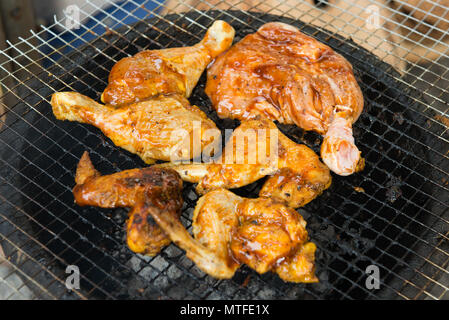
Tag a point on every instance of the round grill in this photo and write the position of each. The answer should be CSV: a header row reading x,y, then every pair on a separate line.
x,y
393,215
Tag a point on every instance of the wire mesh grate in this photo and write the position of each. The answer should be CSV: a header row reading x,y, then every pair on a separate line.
x,y
399,222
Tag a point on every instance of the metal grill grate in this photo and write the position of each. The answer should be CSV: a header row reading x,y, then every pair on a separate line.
x,y
399,223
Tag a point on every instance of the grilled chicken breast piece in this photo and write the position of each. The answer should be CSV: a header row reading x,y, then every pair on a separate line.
x,y
284,75
160,128
137,189
172,70
257,149
230,230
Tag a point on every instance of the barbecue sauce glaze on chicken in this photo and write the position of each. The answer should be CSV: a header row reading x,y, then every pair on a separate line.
x,y
284,75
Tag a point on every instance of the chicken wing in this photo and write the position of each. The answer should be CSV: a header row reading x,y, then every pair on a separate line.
x,y
138,189
162,128
282,74
257,149
218,264
173,70
230,230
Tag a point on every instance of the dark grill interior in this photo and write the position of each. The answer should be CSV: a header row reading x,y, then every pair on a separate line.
x,y
394,214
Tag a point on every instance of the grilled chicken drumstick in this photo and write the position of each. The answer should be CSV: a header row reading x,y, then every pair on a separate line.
x,y
230,230
159,128
139,189
173,70
153,118
282,74
297,176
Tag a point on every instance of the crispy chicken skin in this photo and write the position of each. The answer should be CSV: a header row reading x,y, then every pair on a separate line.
x,y
138,189
230,230
296,175
146,109
160,128
173,70
215,261
284,75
